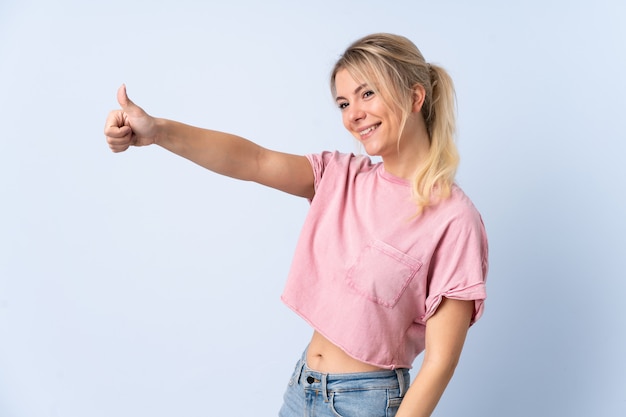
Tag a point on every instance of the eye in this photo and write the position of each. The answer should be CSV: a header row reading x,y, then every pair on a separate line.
x,y
368,94
342,105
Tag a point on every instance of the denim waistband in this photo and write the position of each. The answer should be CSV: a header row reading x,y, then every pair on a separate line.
x,y
338,382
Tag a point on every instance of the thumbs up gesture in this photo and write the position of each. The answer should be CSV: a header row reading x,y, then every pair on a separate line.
x,y
130,126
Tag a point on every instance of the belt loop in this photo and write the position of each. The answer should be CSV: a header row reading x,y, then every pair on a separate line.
x,y
300,365
325,387
401,381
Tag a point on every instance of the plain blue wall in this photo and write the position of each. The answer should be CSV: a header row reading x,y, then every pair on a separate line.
x,y
140,284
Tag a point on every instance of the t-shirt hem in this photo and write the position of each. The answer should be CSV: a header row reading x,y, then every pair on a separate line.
x,y
319,330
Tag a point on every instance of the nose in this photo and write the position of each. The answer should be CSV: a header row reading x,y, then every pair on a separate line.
x,y
355,113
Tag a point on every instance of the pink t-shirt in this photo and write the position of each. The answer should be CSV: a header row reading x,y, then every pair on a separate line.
x,y
367,273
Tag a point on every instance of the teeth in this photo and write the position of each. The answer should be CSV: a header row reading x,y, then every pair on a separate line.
x,y
368,130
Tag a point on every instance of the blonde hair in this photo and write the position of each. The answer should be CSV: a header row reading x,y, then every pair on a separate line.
x,y
392,65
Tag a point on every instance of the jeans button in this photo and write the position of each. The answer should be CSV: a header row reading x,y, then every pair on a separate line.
x,y
310,379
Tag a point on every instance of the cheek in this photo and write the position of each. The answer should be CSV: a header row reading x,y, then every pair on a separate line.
x,y
345,121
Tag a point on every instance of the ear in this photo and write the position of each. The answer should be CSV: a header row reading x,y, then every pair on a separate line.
x,y
419,95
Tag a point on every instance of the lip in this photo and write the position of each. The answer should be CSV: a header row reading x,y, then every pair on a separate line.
x,y
369,130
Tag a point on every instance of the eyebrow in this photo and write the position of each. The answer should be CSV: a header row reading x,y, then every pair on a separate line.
x,y
356,90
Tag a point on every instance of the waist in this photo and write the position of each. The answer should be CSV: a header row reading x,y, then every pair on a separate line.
x,y
324,356
367,380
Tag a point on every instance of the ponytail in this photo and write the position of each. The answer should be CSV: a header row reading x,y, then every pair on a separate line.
x,y
434,180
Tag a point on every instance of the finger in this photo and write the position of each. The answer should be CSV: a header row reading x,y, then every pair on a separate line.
x,y
113,131
122,97
119,140
116,124
119,148
125,102
119,144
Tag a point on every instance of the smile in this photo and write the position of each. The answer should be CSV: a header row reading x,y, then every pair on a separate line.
x,y
369,130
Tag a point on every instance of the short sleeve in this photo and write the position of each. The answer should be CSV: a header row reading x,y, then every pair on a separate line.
x,y
318,163
459,265
336,163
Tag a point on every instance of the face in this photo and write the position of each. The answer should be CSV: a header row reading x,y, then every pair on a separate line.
x,y
366,116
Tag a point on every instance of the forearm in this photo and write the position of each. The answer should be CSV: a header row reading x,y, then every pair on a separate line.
x,y
426,390
445,336
219,152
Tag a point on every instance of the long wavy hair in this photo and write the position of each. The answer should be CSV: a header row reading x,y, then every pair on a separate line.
x,y
392,65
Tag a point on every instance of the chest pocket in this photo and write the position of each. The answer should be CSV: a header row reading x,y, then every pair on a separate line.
x,y
381,273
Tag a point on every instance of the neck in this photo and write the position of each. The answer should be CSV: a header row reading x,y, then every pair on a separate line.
x,y
411,153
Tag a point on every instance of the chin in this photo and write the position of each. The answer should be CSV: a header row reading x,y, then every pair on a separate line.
x,y
371,151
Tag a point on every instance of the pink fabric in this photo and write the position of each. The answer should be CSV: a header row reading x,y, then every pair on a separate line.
x,y
367,273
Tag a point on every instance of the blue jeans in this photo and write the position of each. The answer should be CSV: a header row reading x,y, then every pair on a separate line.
x,y
363,394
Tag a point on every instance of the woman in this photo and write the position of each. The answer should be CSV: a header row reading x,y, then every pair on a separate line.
x,y
392,258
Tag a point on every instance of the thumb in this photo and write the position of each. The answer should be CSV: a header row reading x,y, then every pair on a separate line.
x,y
123,100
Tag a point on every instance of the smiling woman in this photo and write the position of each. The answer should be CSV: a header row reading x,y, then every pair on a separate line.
x,y
417,97
376,125
392,258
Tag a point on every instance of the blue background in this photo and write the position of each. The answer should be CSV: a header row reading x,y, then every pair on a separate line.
x,y
141,284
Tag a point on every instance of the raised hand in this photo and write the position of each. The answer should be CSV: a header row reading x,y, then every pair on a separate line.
x,y
130,126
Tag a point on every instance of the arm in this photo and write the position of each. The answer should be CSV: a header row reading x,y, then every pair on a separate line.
x,y
219,152
445,335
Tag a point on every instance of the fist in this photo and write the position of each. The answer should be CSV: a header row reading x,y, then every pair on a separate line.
x,y
129,126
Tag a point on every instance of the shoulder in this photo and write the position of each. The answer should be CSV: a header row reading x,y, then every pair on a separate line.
x,y
456,218
338,162
339,158
456,206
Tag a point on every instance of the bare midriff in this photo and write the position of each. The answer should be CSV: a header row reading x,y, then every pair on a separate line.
x,y
324,356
